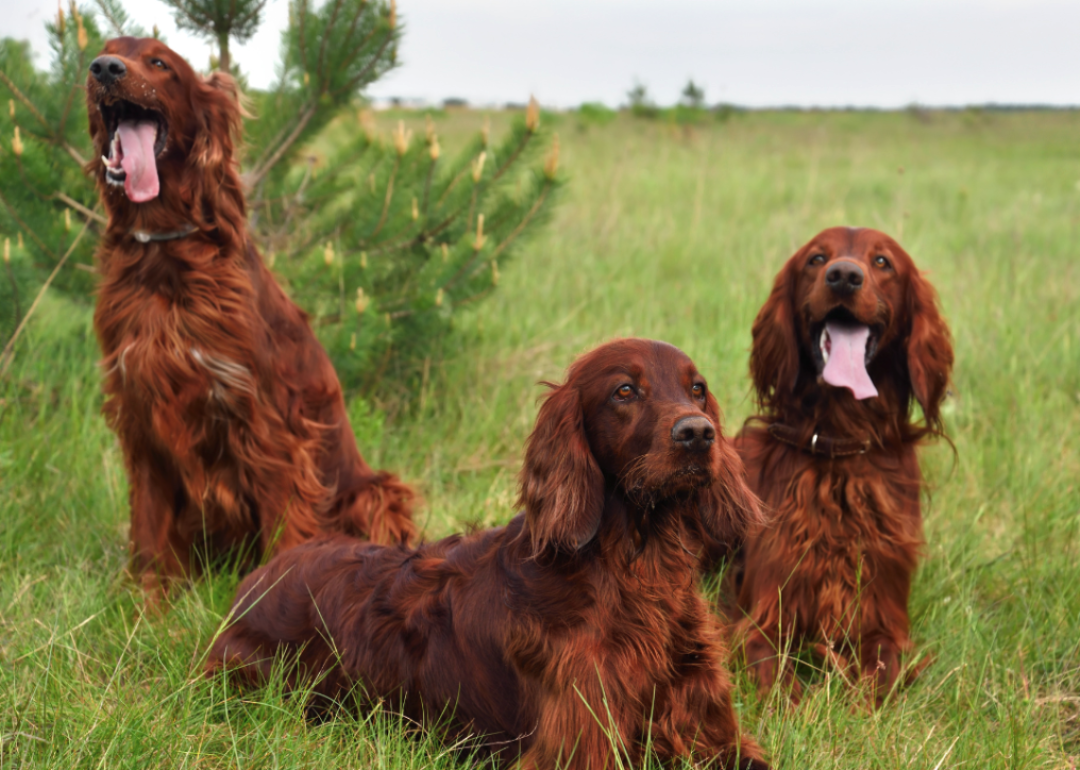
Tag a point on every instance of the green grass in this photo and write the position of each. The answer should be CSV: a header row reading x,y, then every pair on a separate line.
x,y
670,233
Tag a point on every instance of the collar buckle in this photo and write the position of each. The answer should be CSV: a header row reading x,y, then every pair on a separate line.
x,y
819,445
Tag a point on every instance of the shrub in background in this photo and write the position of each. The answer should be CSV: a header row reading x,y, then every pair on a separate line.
x,y
693,96
640,102
690,109
595,113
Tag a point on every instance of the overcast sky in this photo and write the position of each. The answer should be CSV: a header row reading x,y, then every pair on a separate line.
x,y
884,53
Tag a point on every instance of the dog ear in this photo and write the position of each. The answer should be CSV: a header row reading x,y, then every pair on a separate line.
x,y
562,487
929,349
729,508
213,185
774,357
218,105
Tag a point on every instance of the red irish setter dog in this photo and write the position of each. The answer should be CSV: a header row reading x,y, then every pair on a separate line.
x,y
849,337
229,412
572,633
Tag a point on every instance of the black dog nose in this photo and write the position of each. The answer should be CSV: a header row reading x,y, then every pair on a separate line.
x,y
844,277
107,69
694,433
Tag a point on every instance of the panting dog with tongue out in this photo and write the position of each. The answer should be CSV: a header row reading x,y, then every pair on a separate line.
x,y
228,410
848,340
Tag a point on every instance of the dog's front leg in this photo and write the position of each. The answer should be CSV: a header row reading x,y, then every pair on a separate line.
x,y
881,664
695,719
160,552
587,725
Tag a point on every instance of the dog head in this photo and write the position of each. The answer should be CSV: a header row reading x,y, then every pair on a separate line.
x,y
636,418
851,311
155,122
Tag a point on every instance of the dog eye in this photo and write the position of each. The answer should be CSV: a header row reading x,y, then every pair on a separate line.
x,y
698,390
817,259
624,393
881,261
159,64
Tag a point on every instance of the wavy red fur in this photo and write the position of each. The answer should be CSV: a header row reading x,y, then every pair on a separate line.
x,y
228,410
582,614
832,569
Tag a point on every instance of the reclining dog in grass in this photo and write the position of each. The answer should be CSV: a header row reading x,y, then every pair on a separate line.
x,y
575,631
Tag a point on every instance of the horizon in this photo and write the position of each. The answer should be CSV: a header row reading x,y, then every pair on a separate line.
x,y
768,54
405,103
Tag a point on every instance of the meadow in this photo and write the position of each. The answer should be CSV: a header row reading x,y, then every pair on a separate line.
x,y
665,232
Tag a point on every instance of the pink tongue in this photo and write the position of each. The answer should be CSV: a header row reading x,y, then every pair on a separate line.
x,y
138,162
846,367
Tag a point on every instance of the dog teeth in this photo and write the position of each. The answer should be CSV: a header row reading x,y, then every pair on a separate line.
x,y
823,342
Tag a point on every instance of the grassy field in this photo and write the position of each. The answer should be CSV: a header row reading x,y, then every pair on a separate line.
x,y
667,233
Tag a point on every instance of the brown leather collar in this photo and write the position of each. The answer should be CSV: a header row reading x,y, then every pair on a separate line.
x,y
819,444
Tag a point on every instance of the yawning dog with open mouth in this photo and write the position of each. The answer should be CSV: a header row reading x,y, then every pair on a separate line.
x,y
228,410
138,136
128,116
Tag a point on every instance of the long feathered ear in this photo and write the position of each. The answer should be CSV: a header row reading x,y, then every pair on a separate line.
x,y
214,180
562,487
218,104
774,357
730,508
929,349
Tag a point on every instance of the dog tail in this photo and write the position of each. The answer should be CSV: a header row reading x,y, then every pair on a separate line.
x,y
379,509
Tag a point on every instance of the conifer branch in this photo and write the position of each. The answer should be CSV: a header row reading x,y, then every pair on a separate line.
x,y
473,298
322,46
383,364
256,176
386,200
302,15
111,17
409,241
250,16
23,226
453,182
523,223
52,136
352,28
514,155
465,269
29,185
88,213
70,99
273,143
75,156
470,266
367,69
427,186
26,102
